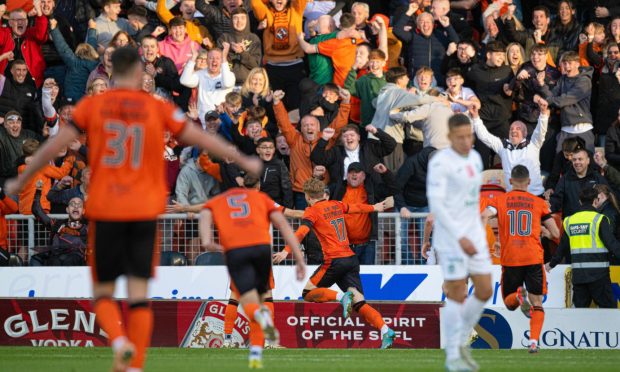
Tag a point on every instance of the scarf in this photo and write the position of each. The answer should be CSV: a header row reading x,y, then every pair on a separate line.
x,y
281,22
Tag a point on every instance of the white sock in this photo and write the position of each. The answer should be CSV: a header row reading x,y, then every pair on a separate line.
x,y
339,296
384,329
534,342
118,342
133,369
452,318
256,352
472,309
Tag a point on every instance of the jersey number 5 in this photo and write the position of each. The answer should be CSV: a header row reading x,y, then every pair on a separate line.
x,y
125,138
338,225
240,207
520,222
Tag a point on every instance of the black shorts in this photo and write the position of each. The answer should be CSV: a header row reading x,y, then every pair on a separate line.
x,y
344,272
122,248
533,276
250,268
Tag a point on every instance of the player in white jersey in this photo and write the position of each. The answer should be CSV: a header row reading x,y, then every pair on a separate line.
x,y
453,191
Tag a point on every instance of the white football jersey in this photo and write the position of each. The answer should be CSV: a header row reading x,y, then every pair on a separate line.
x,y
453,191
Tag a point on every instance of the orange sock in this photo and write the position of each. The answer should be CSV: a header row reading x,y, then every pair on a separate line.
x,y
257,338
320,295
269,305
371,316
249,310
511,301
230,316
139,330
109,318
536,322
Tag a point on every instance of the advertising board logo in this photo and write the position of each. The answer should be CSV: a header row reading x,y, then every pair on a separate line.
x,y
398,288
494,332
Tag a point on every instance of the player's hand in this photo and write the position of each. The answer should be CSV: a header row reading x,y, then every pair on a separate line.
x,y
467,246
300,270
277,96
328,133
279,257
548,267
252,165
380,168
426,247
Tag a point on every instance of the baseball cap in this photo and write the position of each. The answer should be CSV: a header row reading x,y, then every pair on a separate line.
x,y
355,167
212,115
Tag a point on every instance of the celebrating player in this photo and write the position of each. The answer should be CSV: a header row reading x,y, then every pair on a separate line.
x,y
519,215
453,191
127,192
248,255
340,265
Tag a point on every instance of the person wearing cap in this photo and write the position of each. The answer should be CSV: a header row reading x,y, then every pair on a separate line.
x,y
491,82
212,122
109,23
12,135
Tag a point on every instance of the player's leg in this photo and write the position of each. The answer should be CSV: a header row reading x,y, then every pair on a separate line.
x,y
230,316
352,283
512,281
317,288
536,283
142,259
105,241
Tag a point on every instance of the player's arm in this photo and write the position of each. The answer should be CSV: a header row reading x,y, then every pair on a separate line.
x,y
47,152
206,234
426,240
550,224
364,208
292,213
216,146
291,240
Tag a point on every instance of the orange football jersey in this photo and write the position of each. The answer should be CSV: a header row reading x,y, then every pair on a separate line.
x,y
327,219
241,217
519,217
125,131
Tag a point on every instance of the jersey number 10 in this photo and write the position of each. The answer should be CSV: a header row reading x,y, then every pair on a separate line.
x,y
520,222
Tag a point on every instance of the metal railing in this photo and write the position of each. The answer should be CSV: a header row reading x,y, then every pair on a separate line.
x,y
399,240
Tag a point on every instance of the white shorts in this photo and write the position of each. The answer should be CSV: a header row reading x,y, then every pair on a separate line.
x,y
456,265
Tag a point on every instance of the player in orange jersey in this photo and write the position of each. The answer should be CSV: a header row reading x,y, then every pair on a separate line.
x,y
519,215
127,192
340,265
242,218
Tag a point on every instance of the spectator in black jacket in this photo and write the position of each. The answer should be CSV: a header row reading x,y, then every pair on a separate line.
x,y
566,28
12,136
67,243
338,158
411,198
20,93
461,55
426,44
275,180
218,19
565,197
167,80
540,34
491,81
608,89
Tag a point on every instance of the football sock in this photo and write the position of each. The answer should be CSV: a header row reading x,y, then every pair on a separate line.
x,y
139,330
471,311
269,305
384,329
371,316
256,352
536,322
109,318
321,295
452,319
511,301
250,309
257,338
230,315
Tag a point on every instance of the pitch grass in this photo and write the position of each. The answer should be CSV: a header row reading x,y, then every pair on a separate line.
x,y
179,360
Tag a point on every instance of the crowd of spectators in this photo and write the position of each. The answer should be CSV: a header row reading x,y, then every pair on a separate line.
x,y
354,93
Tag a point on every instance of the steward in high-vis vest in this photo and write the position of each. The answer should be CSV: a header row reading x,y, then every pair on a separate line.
x,y
589,237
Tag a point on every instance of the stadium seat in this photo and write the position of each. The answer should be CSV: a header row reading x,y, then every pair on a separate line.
x,y
170,258
209,259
